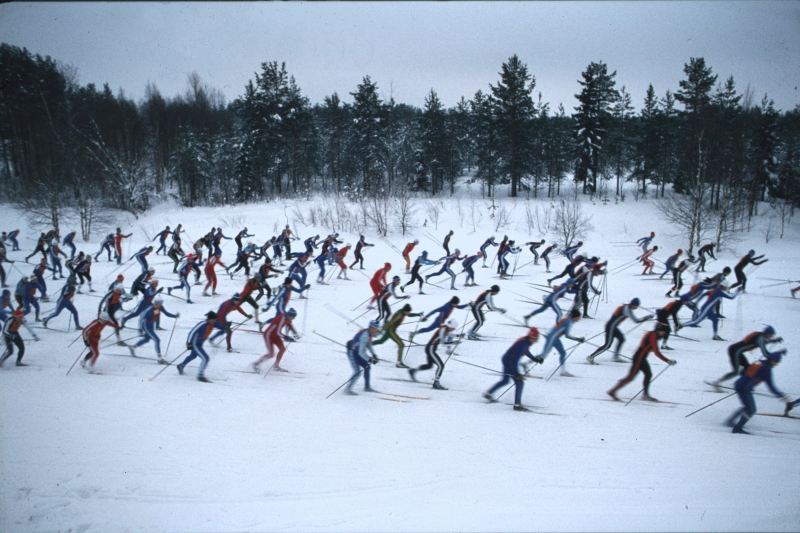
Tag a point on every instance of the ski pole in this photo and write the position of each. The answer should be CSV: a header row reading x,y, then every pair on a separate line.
x,y
709,405
565,360
483,367
461,335
329,339
514,384
362,303
344,316
170,336
76,360
305,314
651,382
167,365
348,381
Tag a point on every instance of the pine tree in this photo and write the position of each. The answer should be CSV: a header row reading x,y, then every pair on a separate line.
x,y
695,96
487,141
368,140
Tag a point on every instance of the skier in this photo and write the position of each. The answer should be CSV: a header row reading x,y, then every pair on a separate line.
x,y
274,336
553,340
546,256
484,246
647,262
141,257
441,336
38,272
175,253
358,257
750,378
239,236
107,244
311,244
662,319
242,260
709,310
407,253
448,261
504,264
639,362
551,301
247,294
13,338
484,299
644,242
583,282
68,242
264,270
112,302
415,276
222,324
83,270
194,342
736,351
569,270
321,260
217,240
183,276
378,281
54,251
677,281
446,242
619,316
442,313
470,260
149,294
211,274
25,294
148,323
570,251
534,248
162,239
384,311
701,253
339,258
3,259
12,236
741,279
282,296
671,260
118,244
287,239
390,332
65,302
41,243
510,359
501,248
329,241
297,270
91,339
360,360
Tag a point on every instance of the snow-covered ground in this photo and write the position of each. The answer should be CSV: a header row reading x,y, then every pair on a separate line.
x,y
119,452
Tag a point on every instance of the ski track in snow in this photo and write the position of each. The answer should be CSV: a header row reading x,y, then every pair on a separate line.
x,y
118,452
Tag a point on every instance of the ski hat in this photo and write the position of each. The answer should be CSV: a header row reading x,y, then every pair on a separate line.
x,y
769,330
291,313
726,270
120,277
775,357
416,241
580,243
533,333
236,296
680,251
387,266
104,316
457,251
652,233
151,270
479,254
396,279
407,308
635,302
751,252
575,313
655,248
495,288
6,293
348,245
118,287
452,324
454,300
424,252
491,238
211,315
153,282
570,281
375,324
335,234
158,300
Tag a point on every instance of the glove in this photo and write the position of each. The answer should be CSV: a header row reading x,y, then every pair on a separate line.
x,y
36,338
177,315
786,399
538,359
777,339
423,319
648,317
308,285
672,362
373,360
581,339
502,311
783,351
189,346
249,316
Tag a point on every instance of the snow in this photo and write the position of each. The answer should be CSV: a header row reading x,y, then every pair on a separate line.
x,y
119,452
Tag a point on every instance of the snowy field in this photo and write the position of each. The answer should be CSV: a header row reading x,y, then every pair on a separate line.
x,y
119,452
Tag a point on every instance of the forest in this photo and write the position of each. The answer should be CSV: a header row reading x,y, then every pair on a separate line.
x,y
710,153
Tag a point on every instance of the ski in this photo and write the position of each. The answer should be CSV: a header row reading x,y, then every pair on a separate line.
x,y
403,396
781,416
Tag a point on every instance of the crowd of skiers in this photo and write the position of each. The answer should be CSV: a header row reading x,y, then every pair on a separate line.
x,y
583,278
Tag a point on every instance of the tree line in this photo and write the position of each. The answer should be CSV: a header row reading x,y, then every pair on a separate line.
x,y
73,150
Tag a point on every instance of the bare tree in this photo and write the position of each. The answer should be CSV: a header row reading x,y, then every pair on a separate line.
x,y
404,209
570,222
432,209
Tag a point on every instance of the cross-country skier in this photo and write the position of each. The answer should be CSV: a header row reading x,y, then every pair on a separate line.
x,y
534,248
194,342
415,275
149,293
546,256
175,253
339,258
91,339
107,244
69,243
484,299
384,311
65,302
3,259
521,348
357,253
282,296
553,340
162,239
330,240
469,261
83,271
569,270
222,324
407,253
619,316
750,378
239,236
13,338
649,343
264,270
551,301
141,257
311,244
53,252
211,274
112,302
671,261
709,310
361,356
583,282
378,281
644,242
736,351
741,279
118,236
297,270
440,337
484,246
570,251
242,261
662,319
287,239
148,323
448,261
321,261
274,335
504,263
183,275
677,271
247,293
38,272
442,313
390,332
446,242
701,254
501,248
41,245
12,236
25,294
647,262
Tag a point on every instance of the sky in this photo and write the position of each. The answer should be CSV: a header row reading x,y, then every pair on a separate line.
x,y
409,48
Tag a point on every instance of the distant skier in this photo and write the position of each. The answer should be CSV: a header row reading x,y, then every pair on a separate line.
x,y
362,356
484,299
118,236
736,351
359,258
671,261
521,348
442,336
390,332
534,248
378,281
649,343
13,338
446,242
148,323
647,261
553,340
750,258
407,253
274,335
701,254
421,261
546,256
754,375
644,242
194,342
91,338
484,246
619,316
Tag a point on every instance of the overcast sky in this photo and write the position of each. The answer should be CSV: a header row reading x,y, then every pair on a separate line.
x,y
456,48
